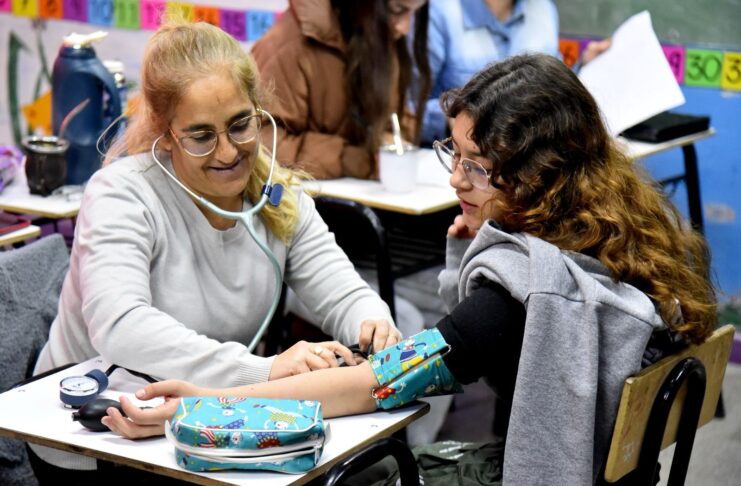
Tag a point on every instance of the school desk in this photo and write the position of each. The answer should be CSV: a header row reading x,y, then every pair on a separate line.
x,y
34,413
395,234
431,194
639,150
16,198
20,235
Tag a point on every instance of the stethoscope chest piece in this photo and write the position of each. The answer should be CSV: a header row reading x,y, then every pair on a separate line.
x,y
274,192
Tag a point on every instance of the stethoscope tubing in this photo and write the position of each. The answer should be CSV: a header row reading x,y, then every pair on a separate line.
x,y
246,218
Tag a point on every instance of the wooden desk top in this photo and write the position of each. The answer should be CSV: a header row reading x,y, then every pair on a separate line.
x,y
34,413
16,198
23,234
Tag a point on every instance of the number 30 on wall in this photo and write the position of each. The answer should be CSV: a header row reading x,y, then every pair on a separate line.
x,y
713,69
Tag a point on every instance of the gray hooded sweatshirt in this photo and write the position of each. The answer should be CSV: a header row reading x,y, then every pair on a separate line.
x,y
584,334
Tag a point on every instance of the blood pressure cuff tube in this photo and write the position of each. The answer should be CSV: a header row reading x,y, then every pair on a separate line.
x,y
412,369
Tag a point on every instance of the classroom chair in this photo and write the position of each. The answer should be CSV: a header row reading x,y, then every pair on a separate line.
x,y
644,427
371,454
660,405
393,244
30,282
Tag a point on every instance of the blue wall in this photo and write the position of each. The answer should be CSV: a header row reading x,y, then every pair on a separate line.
x,y
719,161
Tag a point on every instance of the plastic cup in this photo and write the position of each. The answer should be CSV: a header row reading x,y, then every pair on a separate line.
x,y
46,163
398,173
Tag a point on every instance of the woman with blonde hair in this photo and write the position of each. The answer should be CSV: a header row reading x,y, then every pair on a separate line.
x,y
566,272
161,284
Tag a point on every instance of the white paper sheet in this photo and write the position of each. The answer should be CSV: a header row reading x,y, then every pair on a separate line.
x,y
632,81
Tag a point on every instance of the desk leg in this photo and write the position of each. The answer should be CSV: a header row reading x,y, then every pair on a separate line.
x,y
383,259
692,180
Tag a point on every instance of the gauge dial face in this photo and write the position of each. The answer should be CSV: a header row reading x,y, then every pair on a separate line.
x,y
79,385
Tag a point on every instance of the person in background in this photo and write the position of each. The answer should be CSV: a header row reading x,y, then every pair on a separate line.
x,y
565,268
162,285
338,69
466,35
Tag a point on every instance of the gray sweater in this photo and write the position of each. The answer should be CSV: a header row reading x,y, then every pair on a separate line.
x,y
154,288
584,334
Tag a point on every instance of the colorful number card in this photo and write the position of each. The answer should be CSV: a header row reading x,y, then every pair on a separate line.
x,y
50,9
126,14
731,76
692,67
25,8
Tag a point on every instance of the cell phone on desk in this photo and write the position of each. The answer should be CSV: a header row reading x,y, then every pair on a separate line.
x,y
12,222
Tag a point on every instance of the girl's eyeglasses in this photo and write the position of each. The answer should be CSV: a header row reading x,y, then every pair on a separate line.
x,y
203,142
475,172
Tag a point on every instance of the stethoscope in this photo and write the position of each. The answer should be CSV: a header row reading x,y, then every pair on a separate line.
x,y
270,193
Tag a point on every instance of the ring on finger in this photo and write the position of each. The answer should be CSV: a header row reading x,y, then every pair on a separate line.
x,y
318,350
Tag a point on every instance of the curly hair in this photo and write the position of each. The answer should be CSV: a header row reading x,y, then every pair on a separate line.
x,y
177,54
563,179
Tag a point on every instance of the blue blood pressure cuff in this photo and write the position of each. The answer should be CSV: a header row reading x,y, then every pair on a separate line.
x,y
412,369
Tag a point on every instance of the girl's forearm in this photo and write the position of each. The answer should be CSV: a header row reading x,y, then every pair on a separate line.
x,y
342,391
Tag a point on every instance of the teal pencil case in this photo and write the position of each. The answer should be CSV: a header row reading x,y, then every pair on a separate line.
x,y
217,433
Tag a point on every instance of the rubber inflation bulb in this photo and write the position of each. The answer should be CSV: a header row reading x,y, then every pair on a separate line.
x,y
89,415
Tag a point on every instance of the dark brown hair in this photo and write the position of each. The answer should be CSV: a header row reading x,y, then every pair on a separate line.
x,y
369,67
563,179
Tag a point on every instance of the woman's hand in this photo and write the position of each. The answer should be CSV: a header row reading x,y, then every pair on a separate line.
x,y
459,229
379,332
594,49
303,357
140,423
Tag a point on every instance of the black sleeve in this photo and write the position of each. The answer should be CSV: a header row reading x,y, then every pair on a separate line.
x,y
485,334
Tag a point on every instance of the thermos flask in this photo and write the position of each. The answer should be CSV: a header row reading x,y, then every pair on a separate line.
x,y
78,75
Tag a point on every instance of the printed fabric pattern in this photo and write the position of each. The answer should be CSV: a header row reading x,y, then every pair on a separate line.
x,y
216,433
412,369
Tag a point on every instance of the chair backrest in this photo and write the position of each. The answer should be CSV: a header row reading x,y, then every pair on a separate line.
x,y
640,392
30,281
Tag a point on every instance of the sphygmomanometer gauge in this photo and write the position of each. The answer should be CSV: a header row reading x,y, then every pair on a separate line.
x,y
75,391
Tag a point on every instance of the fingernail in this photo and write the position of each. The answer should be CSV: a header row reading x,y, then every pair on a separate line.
x,y
139,393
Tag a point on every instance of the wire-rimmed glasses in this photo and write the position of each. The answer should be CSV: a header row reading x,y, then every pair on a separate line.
x,y
203,142
475,172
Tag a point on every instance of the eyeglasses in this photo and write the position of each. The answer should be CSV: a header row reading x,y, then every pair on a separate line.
x,y
203,142
475,172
